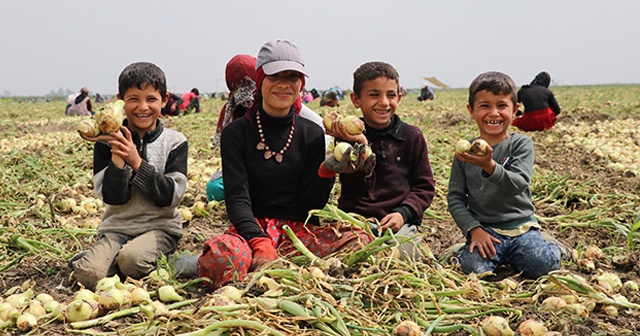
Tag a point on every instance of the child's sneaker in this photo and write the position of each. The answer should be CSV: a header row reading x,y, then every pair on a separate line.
x,y
566,253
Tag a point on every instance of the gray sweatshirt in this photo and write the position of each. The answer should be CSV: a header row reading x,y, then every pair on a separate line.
x,y
501,200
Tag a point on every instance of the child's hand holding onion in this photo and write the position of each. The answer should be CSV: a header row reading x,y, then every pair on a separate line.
x,y
479,147
346,128
106,121
348,158
477,153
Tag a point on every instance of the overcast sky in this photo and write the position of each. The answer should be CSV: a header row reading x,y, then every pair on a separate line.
x,y
70,44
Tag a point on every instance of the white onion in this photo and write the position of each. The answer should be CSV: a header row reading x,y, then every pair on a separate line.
x,y
407,328
496,326
462,146
107,283
111,299
140,295
168,294
532,328
79,310
26,322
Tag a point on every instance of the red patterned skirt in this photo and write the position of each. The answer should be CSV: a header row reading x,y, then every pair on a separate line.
x,y
228,256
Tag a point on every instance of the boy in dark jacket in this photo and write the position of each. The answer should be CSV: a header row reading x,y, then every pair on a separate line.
x,y
399,187
140,173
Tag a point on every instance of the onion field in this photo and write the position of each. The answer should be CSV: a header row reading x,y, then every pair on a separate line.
x,y
586,189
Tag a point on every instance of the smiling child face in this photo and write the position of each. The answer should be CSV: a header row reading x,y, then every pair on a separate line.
x,y
493,114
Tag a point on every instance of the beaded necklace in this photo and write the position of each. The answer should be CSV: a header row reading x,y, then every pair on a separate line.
x,y
262,145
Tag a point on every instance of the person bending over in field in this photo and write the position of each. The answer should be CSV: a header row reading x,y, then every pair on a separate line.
x,y
80,105
540,106
190,101
140,173
489,196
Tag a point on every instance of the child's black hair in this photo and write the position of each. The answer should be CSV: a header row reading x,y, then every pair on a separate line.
x,y
196,91
140,74
495,82
372,70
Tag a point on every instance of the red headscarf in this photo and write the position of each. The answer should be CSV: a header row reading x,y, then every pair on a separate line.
x,y
240,75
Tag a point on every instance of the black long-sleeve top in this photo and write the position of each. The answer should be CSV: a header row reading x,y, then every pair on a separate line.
x,y
259,188
537,97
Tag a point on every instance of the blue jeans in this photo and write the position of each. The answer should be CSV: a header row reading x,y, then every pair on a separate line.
x,y
529,253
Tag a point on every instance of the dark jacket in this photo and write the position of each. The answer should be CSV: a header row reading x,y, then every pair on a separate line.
x,y
138,202
401,180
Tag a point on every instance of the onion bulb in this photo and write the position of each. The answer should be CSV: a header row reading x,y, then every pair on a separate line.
x,y
89,128
553,304
532,328
44,298
86,294
352,124
140,295
462,146
110,117
231,292
26,322
479,147
9,313
610,278
631,285
329,118
159,276
577,309
57,310
79,210
36,308
91,223
586,265
407,328
168,294
17,300
508,284
154,309
66,204
594,253
199,208
111,299
51,306
218,300
79,310
496,326
339,150
186,214
610,310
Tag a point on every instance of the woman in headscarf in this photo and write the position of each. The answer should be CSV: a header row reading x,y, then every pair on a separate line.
x,y
240,75
270,159
540,105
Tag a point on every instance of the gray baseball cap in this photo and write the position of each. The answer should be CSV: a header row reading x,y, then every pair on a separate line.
x,y
280,55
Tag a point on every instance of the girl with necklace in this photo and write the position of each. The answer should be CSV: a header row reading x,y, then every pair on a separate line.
x,y
270,162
